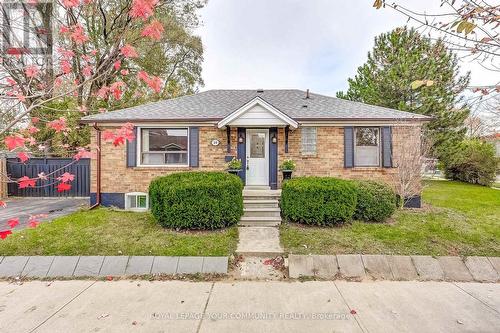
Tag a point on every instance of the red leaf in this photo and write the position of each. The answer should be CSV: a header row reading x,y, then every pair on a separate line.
x,y
5,233
82,153
70,3
26,182
14,141
61,187
109,278
108,135
33,223
153,30
31,71
58,125
129,51
23,156
66,177
78,35
13,222
120,140
3,204
142,8
353,312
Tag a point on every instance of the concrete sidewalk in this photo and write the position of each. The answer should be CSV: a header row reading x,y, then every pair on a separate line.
x,y
176,306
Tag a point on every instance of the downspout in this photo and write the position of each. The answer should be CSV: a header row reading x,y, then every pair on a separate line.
x,y
98,169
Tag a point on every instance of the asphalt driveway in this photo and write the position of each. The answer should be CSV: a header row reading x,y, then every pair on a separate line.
x,y
25,207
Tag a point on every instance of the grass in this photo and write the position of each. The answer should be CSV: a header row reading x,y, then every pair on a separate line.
x,y
459,219
107,232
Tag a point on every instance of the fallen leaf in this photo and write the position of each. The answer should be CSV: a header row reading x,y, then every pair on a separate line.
x,y
353,312
5,233
13,222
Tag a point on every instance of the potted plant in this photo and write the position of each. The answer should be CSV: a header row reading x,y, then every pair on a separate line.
x,y
234,166
287,168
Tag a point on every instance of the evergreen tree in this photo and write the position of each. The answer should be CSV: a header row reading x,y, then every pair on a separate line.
x,y
409,72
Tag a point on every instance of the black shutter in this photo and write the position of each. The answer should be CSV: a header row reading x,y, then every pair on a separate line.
x,y
387,147
194,146
132,151
348,147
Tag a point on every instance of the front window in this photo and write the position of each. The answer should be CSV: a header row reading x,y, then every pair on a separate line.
x,y
367,146
164,146
308,140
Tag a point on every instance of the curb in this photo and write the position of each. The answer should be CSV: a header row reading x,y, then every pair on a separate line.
x,y
396,268
101,266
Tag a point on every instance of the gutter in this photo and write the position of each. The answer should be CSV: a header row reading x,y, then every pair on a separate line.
x,y
98,181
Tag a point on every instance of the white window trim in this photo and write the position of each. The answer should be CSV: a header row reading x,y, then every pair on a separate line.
x,y
379,146
168,166
308,153
137,209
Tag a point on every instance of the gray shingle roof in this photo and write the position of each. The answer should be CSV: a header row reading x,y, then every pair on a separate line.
x,y
217,104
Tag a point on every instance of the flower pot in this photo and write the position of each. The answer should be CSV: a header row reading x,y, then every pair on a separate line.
x,y
287,174
234,171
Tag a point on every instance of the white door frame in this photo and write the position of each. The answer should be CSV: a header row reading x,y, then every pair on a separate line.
x,y
247,143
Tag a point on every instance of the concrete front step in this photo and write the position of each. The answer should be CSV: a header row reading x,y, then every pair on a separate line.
x,y
260,221
261,194
261,212
273,203
248,197
259,224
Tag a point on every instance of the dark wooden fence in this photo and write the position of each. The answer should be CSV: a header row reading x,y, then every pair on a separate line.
x,y
80,187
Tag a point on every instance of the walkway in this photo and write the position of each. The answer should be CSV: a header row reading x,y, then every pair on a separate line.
x,y
177,306
258,227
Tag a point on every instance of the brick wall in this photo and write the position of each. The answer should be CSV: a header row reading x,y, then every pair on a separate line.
x,y
116,177
328,161
329,157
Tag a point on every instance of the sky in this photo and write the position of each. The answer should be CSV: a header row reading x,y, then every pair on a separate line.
x,y
306,44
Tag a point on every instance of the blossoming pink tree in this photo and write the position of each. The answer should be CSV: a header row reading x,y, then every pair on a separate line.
x,y
74,67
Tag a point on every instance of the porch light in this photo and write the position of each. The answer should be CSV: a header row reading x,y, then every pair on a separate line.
x,y
241,138
273,138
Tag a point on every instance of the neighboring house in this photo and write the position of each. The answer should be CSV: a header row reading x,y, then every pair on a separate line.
x,y
325,136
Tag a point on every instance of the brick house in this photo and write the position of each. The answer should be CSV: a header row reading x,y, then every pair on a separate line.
x,y
325,136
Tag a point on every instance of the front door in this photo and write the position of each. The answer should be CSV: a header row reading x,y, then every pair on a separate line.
x,y
257,157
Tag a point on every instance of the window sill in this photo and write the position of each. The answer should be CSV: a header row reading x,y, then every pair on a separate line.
x,y
309,155
362,168
162,167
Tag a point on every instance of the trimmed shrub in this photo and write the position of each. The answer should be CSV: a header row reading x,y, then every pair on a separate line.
x,y
473,161
197,200
318,200
376,201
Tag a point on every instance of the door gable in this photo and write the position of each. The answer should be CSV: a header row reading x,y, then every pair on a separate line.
x,y
257,113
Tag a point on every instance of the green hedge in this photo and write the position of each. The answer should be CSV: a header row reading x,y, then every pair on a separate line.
x,y
376,201
472,161
318,200
197,200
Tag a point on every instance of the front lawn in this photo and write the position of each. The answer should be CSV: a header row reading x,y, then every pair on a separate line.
x,y
107,232
458,219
